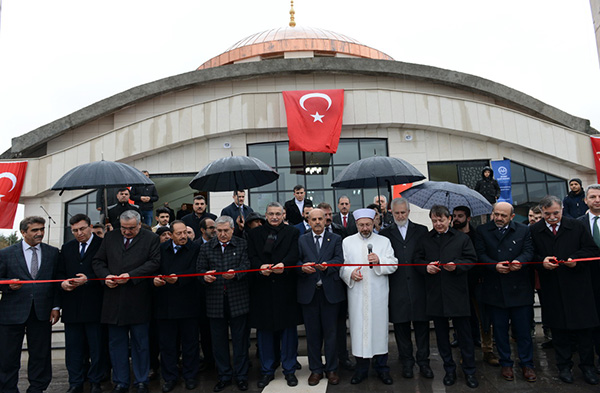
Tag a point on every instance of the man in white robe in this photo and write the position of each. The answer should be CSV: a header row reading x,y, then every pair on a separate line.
x,y
368,296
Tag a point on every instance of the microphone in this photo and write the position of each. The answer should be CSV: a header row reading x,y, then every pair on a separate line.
x,y
370,249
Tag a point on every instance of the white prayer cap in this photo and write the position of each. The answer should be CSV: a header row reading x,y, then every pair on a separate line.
x,y
364,213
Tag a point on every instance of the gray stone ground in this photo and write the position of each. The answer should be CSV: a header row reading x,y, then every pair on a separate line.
x,y
489,377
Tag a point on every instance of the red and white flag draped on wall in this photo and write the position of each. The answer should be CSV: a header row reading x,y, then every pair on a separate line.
x,y
596,147
314,119
12,176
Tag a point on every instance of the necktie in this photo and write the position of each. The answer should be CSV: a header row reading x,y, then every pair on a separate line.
x,y
553,228
502,230
82,252
326,229
224,247
127,243
176,249
35,264
318,244
596,232
345,221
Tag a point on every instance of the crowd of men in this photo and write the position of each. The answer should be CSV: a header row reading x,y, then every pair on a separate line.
x,y
131,295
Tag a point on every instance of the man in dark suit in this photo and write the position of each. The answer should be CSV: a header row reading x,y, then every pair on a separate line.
x,y
193,219
227,302
304,227
145,196
344,218
237,207
128,252
569,304
29,309
320,292
502,245
445,256
294,207
176,305
274,308
81,307
407,292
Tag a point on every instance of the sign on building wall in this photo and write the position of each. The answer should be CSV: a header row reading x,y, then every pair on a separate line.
x,y
502,174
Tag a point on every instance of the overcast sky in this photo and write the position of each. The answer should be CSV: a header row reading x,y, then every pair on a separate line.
x,y
59,56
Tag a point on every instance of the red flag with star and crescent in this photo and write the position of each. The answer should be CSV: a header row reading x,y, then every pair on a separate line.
x,y
314,119
596,149
12,177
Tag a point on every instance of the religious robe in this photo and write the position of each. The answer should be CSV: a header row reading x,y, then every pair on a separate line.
x,y
368,298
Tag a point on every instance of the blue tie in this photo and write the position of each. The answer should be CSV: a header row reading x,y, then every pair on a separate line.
x,y
82,252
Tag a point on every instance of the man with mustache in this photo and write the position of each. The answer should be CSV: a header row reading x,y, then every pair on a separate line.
x,y
569,306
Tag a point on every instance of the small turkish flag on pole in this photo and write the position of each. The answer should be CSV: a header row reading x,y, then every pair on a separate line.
x,y
314,119
12,176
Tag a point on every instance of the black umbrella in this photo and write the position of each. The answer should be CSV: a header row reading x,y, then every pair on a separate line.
x,y
377,171
234,173
447,194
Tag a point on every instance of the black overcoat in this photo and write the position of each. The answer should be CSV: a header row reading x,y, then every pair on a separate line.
x,y
129,303
84,303
594,265
235,257
492,246
407,287
273,304
568,295
447,292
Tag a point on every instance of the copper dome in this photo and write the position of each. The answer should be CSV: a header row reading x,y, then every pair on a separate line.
x,y
275,43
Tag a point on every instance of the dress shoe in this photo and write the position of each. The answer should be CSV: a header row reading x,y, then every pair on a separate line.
x,y
242,385
333,378
491,359
191,384
291,380
264,380
449,379
347,364
454,343
507,373
120,389
75,389
314,378
221,385
153,374
589,376
407,372
358,377
529,374
566,375
426,371
298,366
168,386
386,378
471,381
95,388
142,388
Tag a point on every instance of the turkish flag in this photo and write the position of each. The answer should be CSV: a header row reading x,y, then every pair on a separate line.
x,y
399,188
314,119
12,177
596,147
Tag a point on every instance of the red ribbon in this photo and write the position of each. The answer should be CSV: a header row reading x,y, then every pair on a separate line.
x,y
8,282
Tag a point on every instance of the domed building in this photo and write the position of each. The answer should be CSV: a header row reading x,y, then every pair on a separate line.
x,y
446,123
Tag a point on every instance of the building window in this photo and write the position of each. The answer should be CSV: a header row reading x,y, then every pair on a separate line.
x,y
459,172
85,204
315,171
530,185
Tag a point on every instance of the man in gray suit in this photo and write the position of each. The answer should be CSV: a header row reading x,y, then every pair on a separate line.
x,y
27,309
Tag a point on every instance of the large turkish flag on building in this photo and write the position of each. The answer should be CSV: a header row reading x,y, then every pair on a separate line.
x,y
12,176
596,148
314,119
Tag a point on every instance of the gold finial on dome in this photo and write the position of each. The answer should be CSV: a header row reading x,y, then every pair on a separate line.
x,y
292,13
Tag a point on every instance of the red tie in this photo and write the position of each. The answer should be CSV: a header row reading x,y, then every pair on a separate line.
x,y
345,222
553,228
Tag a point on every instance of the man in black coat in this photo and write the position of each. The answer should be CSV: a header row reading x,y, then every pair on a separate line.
x,y
124,253
304,227
320,292
446,255
407,291
502,245
344,218
274,308
569,306
145,196
193,219
27,309
176,305
81,307
122,205
227,302
294,207
237,207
